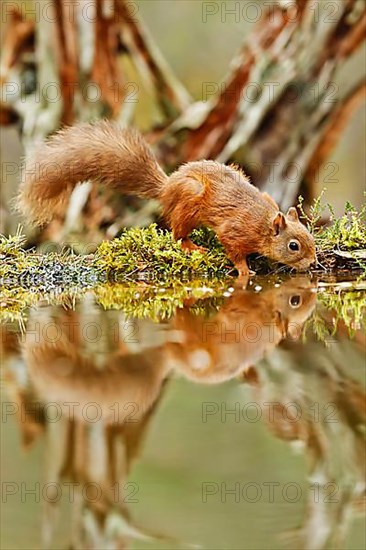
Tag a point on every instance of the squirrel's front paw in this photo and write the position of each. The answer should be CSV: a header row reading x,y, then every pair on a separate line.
x,y
243,270
246,273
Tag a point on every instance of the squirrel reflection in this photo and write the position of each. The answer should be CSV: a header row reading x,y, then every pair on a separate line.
x,y
90,356
247,327
107,380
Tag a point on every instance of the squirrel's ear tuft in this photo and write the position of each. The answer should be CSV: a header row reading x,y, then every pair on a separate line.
x,y
279,223
292,214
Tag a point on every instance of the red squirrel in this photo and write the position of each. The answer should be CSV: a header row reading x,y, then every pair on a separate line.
x,y
198,193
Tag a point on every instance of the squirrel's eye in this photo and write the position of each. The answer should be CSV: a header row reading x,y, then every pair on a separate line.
x,y
294,246
295,300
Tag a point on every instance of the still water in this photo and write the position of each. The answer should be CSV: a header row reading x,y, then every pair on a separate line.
x,y
215,419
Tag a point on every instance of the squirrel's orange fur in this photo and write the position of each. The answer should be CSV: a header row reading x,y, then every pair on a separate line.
x,y
198,193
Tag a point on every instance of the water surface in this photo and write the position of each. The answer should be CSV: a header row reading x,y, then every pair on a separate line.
x,y
214,418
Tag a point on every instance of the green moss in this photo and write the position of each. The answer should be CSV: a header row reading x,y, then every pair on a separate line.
x,y
26,278
13,258
346,234
336,303
148,254
152,254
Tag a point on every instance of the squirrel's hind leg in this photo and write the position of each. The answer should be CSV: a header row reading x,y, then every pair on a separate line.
x,y
181,231
189,246
181,200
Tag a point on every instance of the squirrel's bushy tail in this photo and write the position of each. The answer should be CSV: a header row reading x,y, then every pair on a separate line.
x,y
101,152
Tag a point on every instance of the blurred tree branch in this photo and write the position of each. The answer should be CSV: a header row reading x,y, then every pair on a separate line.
x,y
286,128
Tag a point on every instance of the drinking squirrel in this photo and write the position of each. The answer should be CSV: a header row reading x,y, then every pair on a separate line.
x,y
198,193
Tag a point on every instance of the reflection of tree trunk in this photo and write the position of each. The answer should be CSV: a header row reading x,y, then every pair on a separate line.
x,y
276,111
84,455
330,409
